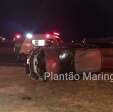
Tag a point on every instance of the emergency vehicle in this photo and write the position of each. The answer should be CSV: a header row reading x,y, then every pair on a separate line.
x,y
24,44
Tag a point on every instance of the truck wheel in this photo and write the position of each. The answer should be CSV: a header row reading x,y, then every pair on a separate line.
x,y
37,65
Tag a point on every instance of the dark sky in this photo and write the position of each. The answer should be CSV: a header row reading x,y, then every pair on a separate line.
x,y
73,18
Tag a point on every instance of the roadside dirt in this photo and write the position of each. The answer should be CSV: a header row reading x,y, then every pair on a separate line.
x,y
18,93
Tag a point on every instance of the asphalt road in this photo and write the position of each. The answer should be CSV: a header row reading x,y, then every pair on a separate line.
x,y
18,93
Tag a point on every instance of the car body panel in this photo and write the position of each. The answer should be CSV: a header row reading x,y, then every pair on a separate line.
x,y
81,60
88,60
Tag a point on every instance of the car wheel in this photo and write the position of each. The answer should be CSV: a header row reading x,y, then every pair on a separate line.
x,y
37,65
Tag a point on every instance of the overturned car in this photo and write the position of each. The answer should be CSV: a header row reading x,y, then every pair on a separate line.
x,y
68,58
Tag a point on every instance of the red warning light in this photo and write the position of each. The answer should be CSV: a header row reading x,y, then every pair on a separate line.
x,y
47,35
55,33
57,37
18,36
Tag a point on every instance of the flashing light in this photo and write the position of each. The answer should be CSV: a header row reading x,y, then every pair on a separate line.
x,y
47,35
3,39
18,36
57,37
55,33
29,35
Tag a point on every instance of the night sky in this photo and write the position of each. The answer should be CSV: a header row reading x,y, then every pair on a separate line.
x,y
72,18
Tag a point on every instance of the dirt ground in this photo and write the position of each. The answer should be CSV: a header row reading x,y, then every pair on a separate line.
x,y
18,93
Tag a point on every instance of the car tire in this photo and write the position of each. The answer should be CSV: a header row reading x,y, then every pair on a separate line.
x,y
37,65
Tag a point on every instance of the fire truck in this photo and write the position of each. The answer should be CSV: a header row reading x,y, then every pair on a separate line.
x,y
24,44
76,58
